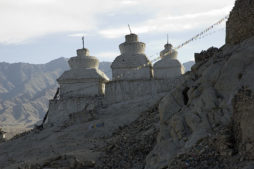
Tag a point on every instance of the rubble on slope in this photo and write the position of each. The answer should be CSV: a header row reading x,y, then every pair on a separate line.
x,y
129,127
129,145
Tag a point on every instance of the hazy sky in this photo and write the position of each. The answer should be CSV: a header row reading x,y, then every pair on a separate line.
x,y
37,31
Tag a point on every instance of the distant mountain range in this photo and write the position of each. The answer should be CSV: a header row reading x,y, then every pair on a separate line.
x,y
26,88
187,65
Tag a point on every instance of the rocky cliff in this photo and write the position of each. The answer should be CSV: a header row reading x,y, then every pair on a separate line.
x,y
240,23
196,119
206,122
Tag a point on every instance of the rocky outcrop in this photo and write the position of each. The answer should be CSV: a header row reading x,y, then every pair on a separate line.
x,y
241,21
205,55
243,119
207,121
201,106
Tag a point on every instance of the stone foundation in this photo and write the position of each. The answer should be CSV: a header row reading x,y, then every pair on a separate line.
x,y
82,89
118,91
61,110
131,74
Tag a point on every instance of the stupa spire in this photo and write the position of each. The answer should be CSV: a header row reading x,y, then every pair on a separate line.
x,y
130,29
167,38
83,42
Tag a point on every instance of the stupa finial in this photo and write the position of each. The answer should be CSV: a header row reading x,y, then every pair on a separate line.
x,y
129,29
167,38
83,43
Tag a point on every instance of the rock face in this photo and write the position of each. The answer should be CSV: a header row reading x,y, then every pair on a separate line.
x,y
205,55
200,110
243,121
211,112
124,67
84,78
241,21
168,67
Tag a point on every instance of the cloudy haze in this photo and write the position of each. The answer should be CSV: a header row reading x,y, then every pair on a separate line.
x,y
37,31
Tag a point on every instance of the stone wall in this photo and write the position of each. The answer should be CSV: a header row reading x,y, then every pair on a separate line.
x,y
118,91
82,89
131,74
62,110
241,21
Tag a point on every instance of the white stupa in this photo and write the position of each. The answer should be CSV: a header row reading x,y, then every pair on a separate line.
x,y
124,67
84,78
168,67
